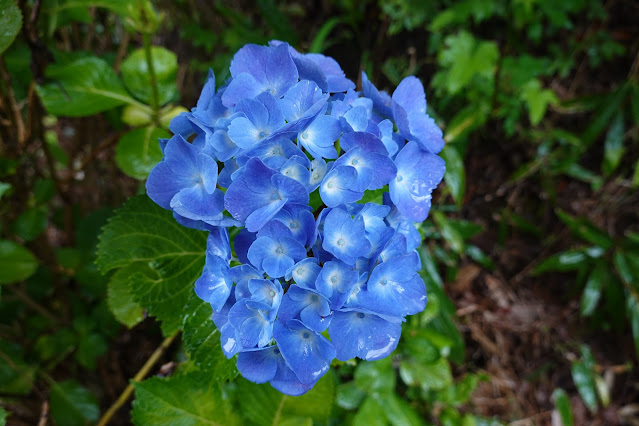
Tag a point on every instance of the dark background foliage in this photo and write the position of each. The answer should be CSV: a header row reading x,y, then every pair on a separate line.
x,y
531,252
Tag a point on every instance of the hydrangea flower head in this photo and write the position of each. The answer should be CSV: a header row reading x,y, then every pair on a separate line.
x,y
303,284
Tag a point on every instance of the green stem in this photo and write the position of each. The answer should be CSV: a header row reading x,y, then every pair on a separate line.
x,y
124,396
155,97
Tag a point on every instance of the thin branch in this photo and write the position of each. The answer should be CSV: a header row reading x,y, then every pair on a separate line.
x,y
126,394
33,304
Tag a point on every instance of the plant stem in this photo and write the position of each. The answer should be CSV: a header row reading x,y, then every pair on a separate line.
x,y
124,396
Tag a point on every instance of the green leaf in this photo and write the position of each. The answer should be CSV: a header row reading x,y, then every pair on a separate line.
x,y
263,405
138,151
137,79
16,377
568,260
398,412
319,44
31,223
586,230
606,111
450,233
435,376
186,400
10,22
90,347
627,264
537,100
16,262
465,57
349,396
585,382
632,309
592,293
169,258
455,176
120,298
83,87
371,413
4,187
202,340
613,146
72,404
3,416
375,376
562,404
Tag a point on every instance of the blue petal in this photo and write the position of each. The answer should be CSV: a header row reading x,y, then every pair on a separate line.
x,y
363,335
214,285
307,353
259,365
418,173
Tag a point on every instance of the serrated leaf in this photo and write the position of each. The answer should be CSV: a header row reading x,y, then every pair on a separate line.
x,y
10,22
137,79
185,400
202,341
455,176
72,404
169,257
466,57
263,405
613,145
585,383
138,151
562,404
16,262
83,87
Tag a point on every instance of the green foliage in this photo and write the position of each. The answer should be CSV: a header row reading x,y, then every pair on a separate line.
x,y
16,262
183,400
82,87
10,22
137,79
72,404
562,402
263,405
138,151
163,257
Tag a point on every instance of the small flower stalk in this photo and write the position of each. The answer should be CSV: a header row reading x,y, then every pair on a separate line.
x,y
288,151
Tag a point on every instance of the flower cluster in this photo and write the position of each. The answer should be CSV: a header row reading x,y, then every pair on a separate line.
x,y
285,127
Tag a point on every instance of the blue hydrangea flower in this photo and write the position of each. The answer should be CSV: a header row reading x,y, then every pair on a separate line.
x,y
284,130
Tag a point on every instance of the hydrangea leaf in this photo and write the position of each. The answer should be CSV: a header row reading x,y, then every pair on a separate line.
x,y
138,151
169,258
185,400
202,340
136,77
263,405
83,87
10,22
72,404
